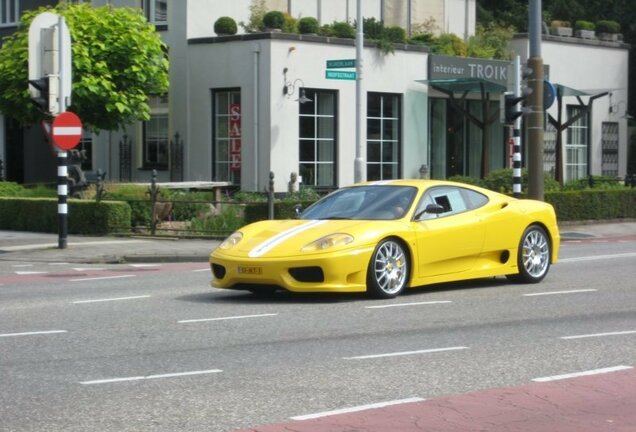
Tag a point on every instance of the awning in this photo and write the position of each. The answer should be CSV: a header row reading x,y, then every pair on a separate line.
x,y
465,85
569,91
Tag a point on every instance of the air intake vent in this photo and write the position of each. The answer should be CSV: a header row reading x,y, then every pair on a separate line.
x,y
307,274
218,270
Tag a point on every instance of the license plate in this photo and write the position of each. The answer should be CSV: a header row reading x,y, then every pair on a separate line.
x,y
250,270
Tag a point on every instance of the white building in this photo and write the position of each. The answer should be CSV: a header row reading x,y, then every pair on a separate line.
x,y
233,103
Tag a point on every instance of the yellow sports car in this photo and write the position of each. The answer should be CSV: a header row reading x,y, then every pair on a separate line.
x,y
382,237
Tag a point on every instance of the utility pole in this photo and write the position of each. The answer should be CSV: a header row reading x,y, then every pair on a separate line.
x,y
359,171
535,103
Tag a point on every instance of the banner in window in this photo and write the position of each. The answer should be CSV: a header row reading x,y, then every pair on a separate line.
x,y
235,137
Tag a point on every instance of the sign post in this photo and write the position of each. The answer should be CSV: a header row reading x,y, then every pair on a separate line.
x,y
50,67
66,132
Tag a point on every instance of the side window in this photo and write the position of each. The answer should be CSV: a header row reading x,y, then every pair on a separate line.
x,y
454,200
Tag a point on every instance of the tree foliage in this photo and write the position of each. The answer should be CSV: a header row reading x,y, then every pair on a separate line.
x,y
515,13
118,61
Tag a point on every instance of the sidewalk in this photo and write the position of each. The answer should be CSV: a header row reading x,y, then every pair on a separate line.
x,y
42,247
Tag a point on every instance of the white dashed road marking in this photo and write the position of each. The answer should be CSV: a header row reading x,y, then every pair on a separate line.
x,y
110,299
619,333
226,318
580,374
33,333
405,353
149,377
357,408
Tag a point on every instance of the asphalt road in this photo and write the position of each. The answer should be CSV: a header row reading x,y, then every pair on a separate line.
x,y
152,347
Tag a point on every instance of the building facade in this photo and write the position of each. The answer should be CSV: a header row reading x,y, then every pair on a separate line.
x,y
240,107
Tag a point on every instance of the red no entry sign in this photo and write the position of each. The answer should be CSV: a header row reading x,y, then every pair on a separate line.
x,y
66,130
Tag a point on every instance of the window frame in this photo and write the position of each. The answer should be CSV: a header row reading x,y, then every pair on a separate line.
x,y
9,13
318,115
221,169
150,8
579,130
396,144
159,111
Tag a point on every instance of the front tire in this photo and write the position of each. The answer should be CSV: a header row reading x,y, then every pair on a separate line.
x,y
533,258
388,270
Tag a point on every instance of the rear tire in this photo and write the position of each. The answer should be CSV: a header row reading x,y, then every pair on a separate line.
x,y
388,270
533,257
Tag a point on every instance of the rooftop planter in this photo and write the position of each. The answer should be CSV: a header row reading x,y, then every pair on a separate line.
x,y
608,30
584,29
561,28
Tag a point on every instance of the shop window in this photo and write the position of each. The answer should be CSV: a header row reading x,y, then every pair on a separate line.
x,y
9,13
383,136
609,147
576,146
155,135
317,139
226,146
157,11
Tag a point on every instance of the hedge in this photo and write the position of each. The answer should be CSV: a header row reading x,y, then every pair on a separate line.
x,y
84,217
591,204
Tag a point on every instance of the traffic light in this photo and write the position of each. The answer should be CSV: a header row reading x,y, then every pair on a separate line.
x,y
41,98
510,108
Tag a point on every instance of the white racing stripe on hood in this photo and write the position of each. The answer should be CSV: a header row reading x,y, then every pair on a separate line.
x,y
271,243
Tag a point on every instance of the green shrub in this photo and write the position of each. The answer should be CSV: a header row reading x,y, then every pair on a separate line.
x,y
84,217
594,182
608,26
591,204
8,189
225,26
421,39
274,20
466,179
394,34
308,25
501,181
344,30
222,224
290,24
584,25
372,28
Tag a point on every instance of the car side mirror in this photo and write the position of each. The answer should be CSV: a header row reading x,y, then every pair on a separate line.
x,y
435,209
298,208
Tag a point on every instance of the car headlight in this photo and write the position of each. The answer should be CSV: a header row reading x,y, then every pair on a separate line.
x,y
231,241
338,239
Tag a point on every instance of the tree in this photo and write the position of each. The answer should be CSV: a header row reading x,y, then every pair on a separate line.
x,y
118,61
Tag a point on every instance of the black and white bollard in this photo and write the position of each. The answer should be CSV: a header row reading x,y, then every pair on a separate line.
x,y
62,193
516,163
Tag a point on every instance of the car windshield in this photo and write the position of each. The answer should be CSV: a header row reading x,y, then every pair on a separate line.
x,y
372,202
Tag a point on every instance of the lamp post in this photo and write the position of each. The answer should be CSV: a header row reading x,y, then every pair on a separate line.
x,y
358,164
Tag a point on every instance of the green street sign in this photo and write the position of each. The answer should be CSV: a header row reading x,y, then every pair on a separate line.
x,y
340,75
340,64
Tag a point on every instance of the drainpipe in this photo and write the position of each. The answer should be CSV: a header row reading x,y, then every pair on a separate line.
x,y
256,52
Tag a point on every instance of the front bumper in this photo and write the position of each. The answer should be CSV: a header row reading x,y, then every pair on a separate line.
x,y
342,271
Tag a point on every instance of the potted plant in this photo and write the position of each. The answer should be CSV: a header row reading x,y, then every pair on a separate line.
x,y
308,25
584,29
561,28
608,30
225,26
274,21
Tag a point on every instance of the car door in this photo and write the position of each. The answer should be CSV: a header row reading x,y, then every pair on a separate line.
x,y
449,242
